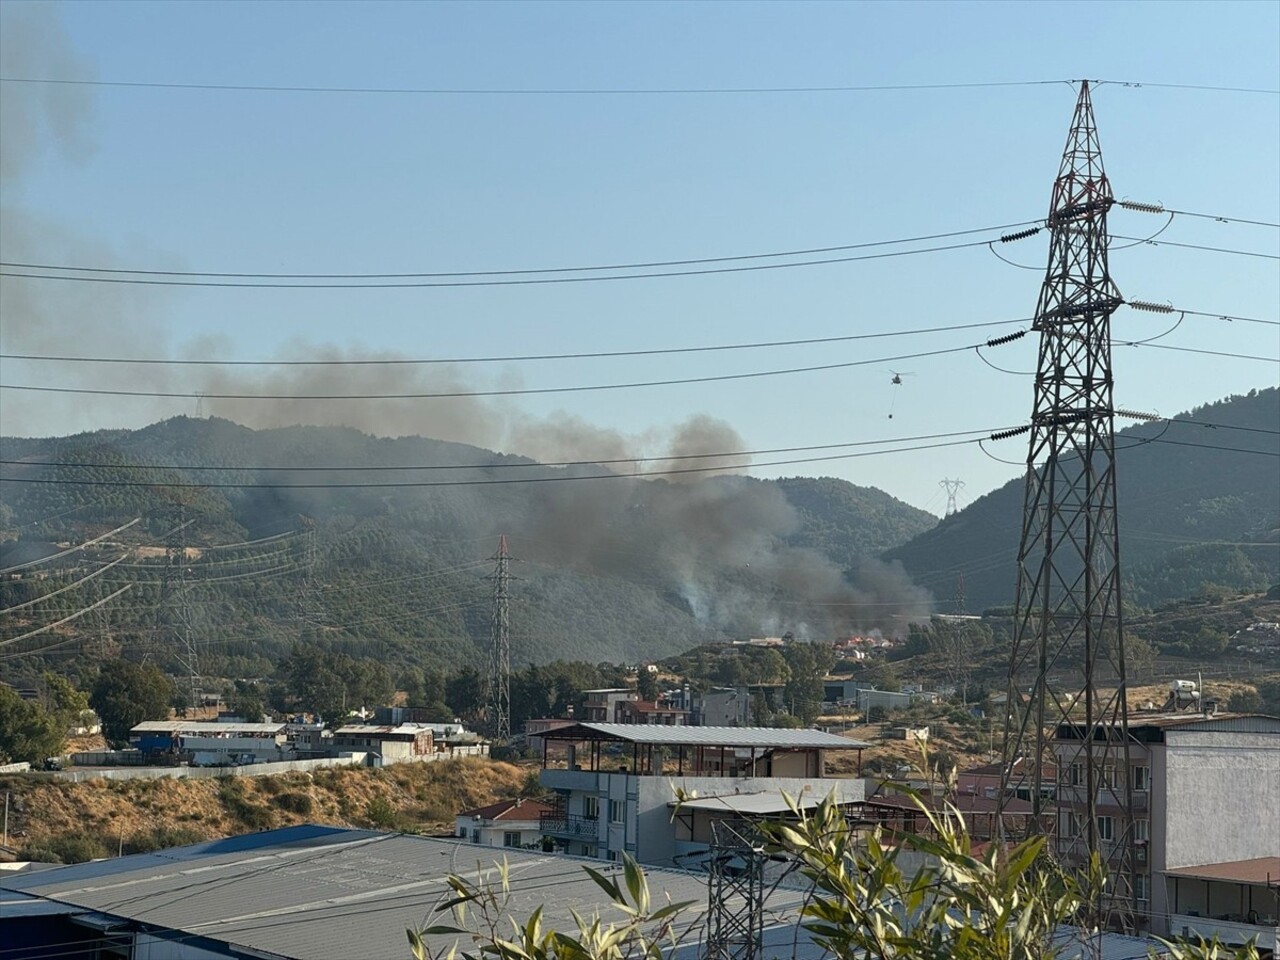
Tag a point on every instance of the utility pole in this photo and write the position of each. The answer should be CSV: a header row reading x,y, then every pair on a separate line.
x,y
1066,684
498,712
952,487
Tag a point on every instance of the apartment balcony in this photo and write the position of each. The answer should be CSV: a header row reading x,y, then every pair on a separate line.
x,y
565,781
569,827
1232,932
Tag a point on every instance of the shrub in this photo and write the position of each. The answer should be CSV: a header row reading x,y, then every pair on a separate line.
x,y
161,838
69,848
299,803
380,813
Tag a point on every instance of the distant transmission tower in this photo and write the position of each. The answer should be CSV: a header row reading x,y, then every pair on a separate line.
x,y
1067,683
498,712
179,589
958,603
952,487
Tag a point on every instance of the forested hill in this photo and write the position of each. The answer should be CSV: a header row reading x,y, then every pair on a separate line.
x,y
287,541
1198,512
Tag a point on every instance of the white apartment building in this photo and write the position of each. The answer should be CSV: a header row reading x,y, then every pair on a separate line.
x,y
617,786
1206,791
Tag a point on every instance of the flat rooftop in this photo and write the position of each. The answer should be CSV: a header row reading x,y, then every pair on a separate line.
x,y
323,893
767,738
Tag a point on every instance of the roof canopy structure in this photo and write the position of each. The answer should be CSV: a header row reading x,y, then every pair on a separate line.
x,y
1260,870
746,738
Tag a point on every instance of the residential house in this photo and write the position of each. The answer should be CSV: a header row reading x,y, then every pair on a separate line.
x,y
657,712
985,780
389,744
603,705
508,823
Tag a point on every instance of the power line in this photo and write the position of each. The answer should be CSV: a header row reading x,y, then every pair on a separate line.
x,y
558,479
1188,86
65,620
379,468
491,482
1195,246
70,550
540,92
522,391
520,358
1165,346
644,265
60,590
1158,208
533,464
381,285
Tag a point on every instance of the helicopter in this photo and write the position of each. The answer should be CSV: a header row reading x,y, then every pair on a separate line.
x,y
897,382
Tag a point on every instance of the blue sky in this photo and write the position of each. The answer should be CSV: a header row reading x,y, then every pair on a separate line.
x,y
315,183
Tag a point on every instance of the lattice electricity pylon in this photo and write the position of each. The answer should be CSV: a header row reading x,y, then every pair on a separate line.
x,y
1067,711
952,487
177,588
498,705
735,893
959,605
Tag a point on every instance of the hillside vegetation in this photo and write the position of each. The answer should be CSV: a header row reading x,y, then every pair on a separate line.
x,y
621,569
57,820
1193,520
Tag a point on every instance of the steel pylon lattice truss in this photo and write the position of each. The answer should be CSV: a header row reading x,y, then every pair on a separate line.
x,y
735,893
1066,742
177,588
498,706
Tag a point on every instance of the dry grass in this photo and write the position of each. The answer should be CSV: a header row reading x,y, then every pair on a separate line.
x,y
142,814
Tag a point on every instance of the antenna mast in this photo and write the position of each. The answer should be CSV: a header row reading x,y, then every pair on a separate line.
x,y
498,712
1068,645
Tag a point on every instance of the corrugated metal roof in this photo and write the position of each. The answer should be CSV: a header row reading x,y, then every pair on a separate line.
x,y
753,804
1074,943
673,736
367,730
197,728
1259,870
325,894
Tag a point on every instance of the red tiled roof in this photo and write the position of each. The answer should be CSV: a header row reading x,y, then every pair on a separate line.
x,y
509,810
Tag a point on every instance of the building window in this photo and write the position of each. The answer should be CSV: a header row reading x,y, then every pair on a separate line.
x,y
511,838
615,810
590,807
1142,778
1077,774
1142,830
1106,828
1142,887
475,836
612,856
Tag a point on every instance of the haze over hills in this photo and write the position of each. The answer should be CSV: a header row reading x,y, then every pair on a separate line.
x,y
391,562
1191,518
619,569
